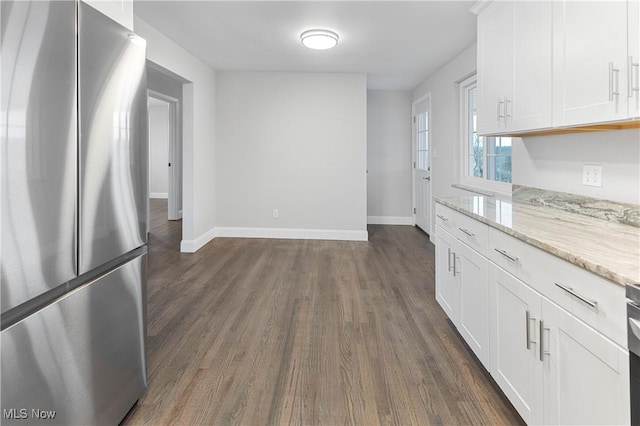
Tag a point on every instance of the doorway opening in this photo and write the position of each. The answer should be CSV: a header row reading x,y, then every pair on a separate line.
x,y
165,175
165,208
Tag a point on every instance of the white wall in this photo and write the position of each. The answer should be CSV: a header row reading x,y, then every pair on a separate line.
x,y
445,122
389,157
198,213
159,150
555,163
295,142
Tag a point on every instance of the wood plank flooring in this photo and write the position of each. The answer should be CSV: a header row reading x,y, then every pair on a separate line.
x,y
267,332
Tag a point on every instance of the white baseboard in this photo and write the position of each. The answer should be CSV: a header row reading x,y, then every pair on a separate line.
x,y
293,234
159,195
390,220
192,246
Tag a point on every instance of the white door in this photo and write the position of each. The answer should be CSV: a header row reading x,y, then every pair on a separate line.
x,y
447,293
586,376
473,276
515,363
422,166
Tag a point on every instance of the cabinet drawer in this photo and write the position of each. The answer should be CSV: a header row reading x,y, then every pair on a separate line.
x,y
594,300
468,230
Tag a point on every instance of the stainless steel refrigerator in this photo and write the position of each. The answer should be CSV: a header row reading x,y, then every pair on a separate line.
x,y
73,202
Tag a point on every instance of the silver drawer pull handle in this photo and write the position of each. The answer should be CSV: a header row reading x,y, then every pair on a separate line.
x,y
455,272
529,318
543,352
466,231
590,302
449,258
507,255
442,218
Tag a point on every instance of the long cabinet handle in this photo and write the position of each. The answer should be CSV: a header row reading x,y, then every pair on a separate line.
x,y
454,265
449,258
467,232
507,255
442,218
571,291
507,102
528,316
631,87
613,92
543,352
500,115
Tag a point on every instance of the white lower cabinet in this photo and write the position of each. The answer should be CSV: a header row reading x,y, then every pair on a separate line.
x,y
472,270
558,361
586,376
447,294
515,363
554,368
462,291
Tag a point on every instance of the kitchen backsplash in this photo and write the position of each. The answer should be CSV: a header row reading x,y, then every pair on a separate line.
x,y
613,211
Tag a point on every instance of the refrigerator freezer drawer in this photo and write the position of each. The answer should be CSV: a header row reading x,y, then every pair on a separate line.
x,y
113,139
81,358
39,148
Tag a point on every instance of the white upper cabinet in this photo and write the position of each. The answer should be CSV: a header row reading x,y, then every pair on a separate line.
x,y
514,67
532,67
633,66
557,64
495,54
590,62
120,11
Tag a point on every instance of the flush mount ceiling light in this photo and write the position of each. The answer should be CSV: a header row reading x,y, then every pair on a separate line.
x,y
319,39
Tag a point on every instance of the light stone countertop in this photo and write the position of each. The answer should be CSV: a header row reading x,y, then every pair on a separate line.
x,y
606,248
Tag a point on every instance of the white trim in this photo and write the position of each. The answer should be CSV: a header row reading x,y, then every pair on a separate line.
x,y
192,246
391,220
162,195
292,233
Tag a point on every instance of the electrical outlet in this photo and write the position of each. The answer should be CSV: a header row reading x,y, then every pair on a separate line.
x,y
276,213
591,175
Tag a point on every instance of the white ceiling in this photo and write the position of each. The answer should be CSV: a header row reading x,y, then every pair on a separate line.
x,y
396,43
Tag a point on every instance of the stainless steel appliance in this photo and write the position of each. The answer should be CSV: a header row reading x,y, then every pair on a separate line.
x,y
73,206
633,318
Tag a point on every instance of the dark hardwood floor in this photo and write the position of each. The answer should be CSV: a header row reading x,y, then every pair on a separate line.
x,y
264,332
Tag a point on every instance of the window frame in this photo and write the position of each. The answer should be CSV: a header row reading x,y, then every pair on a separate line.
x,y
503,188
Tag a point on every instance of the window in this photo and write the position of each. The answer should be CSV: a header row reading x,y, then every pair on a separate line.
x,y
486,161
422,140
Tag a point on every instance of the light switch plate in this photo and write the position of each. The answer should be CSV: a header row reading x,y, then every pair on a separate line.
x,y
592,175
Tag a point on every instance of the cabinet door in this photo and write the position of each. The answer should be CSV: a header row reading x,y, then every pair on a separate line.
x,y
633,67
495,52
586,376
515,364
590,61
472,274
447,293
529,106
